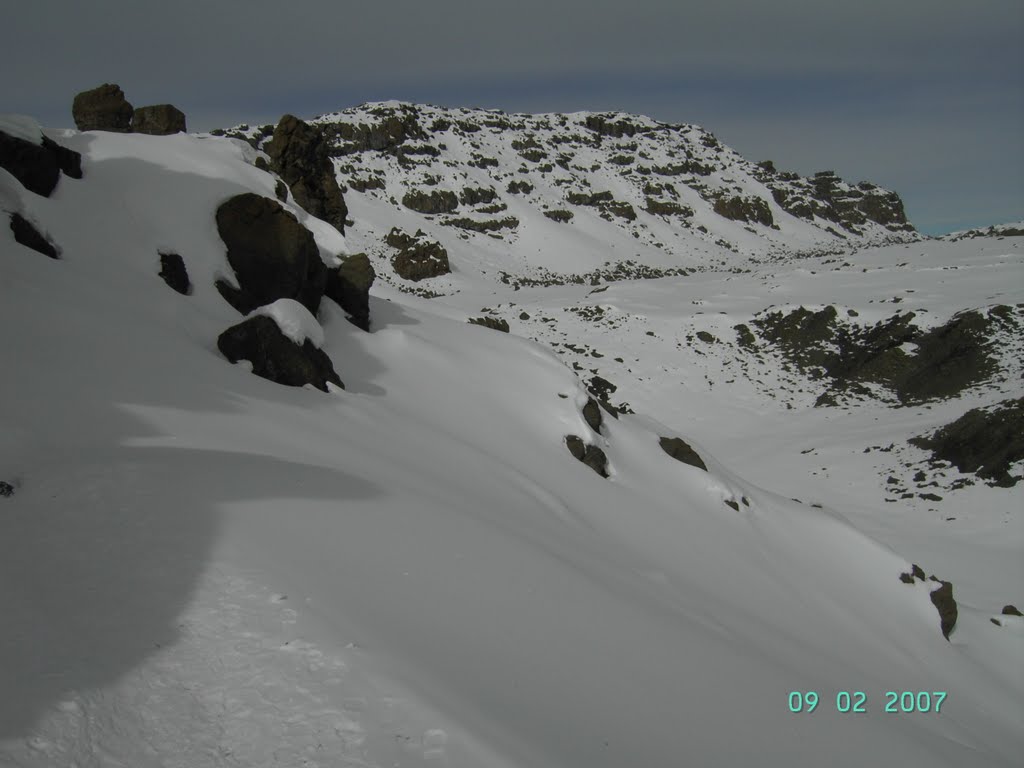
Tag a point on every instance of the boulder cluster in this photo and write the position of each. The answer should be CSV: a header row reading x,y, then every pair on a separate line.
x,y
272,255
105,108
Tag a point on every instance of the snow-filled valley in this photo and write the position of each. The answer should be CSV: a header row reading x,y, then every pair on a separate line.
x,y
203,567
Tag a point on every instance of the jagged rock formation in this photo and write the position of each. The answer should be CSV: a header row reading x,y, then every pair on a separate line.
x,y
38,166
299,154
174,273
828,197
272,255
276,357
158,120
26,234
103,108
349,285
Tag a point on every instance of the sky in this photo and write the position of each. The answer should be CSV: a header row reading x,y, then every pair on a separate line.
x,y
925,97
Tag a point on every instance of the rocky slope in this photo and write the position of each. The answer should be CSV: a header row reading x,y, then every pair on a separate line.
x,y
528,184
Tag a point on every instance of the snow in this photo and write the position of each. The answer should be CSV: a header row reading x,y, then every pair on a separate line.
x,y
21,127
202,568
295,321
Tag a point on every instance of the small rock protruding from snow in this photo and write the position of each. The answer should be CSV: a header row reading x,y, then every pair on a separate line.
x,y
26,234
173,272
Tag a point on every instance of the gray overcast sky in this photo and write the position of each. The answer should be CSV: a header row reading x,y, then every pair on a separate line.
x,y
925,97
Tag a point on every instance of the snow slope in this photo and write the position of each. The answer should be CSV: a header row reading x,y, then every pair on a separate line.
x,y
203,568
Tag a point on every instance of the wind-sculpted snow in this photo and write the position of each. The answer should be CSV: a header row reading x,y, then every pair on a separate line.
x,y
203,567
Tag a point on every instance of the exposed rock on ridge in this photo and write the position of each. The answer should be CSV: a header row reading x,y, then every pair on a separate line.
x,y
38,166
299,154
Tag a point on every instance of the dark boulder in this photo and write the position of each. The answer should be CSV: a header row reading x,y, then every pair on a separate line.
x,y
6,489
590,455
173,272
29,236
680,450
592,414
276,357
299,154
349,285
273,256
158,120
942,599
102,109
38,166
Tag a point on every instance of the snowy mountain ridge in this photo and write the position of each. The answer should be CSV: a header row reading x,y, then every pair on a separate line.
x,y
474,553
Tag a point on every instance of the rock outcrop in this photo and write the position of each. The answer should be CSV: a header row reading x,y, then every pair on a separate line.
x,y
680,450
435,201
349,285
590,455
946,360
158,120
276,357
417,258
985,442
272,255
751,209
941,597
102,109
494,323
299,154
29,236
38,166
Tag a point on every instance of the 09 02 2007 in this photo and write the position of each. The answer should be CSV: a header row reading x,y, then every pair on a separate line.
x,y
856,702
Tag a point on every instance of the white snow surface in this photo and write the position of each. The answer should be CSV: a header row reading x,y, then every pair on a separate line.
x,y
295,321
199,567
21,127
